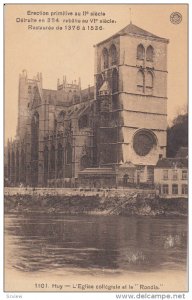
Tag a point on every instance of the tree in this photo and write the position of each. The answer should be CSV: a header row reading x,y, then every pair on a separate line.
x,y
177,134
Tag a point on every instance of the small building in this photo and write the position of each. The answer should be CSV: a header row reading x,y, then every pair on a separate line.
x,y
171,177
97,177
126,174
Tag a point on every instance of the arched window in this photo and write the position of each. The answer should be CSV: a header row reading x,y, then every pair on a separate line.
x,y
55,125
34,148
85,162
60,161
150,53
17,165
52,158
13,163
149,82
105,58
9,161
68,154
113,55
125,179
115,79
140,82
140,52
52,161
61,117
83,121
34,136
99,81
60,121
46,164
22,172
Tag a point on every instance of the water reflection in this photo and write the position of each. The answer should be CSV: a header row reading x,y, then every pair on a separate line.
x,y
42,243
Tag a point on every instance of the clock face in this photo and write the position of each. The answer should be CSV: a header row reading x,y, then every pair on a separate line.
x,y
143,142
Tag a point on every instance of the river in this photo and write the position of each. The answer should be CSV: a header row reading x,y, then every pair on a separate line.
x,y
45,252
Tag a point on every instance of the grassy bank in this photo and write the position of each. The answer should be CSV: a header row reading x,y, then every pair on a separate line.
x,y
126,205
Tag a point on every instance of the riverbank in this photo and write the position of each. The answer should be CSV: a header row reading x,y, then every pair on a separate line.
x,y
103,202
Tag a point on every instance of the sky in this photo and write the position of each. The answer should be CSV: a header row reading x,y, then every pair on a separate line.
x,y
71,53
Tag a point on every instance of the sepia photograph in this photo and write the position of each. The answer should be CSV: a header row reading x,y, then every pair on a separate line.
x,y
96,148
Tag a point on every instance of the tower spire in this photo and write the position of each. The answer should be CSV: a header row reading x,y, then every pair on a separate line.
x,y
130,16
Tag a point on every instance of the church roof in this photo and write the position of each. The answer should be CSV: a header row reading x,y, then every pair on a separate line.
x,y
132,29
49,95
87,93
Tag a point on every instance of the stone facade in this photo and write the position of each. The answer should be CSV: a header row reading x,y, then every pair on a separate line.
x,y
122,120
131,89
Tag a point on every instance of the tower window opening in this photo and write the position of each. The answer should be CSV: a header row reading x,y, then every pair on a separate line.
x,y
150,53
140,52
149,83
140,82
113,55
105,58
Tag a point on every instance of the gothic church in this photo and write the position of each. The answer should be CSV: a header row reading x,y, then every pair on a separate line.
x,y
108,135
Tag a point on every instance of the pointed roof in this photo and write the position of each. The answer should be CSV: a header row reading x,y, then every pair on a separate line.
x,y
104,87
131,30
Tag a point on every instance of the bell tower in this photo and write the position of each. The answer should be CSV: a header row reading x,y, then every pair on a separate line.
x,y
131,79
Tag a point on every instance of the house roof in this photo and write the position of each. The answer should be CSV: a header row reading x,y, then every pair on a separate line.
x,y
182,152
132,29
171,163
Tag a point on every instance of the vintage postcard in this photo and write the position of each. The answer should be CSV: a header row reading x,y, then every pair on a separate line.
x,y
96,148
